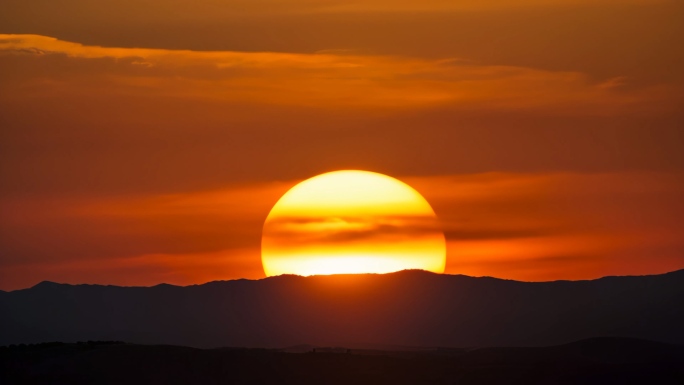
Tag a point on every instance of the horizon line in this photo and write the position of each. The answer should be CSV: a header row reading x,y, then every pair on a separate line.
x,y
337,275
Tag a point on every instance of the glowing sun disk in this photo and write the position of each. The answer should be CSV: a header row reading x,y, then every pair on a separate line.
x,y
347,222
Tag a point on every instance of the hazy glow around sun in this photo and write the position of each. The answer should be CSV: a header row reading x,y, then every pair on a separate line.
x,y
347,222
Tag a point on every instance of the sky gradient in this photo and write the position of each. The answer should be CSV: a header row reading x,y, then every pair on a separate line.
x,y
146,141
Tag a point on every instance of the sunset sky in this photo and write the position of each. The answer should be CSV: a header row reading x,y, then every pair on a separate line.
x,y
146,141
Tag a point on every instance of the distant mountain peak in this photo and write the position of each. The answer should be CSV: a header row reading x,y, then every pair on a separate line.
x,y
48,284
166,285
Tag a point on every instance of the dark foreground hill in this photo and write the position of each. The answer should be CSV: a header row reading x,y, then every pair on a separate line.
x,y
594,361
410,308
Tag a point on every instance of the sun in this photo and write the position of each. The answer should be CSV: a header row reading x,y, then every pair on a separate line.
x,y
351,222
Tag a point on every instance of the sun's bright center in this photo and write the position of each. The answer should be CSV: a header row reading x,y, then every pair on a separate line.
x,y
349,222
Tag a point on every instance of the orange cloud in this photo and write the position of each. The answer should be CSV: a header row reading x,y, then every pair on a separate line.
x,y
559,226
46,66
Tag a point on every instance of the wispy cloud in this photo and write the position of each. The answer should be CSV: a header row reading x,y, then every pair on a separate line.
x,y
42,66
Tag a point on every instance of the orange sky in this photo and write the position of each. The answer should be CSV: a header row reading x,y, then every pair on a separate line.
x,y
146,141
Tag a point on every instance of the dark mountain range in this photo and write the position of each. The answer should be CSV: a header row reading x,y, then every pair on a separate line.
x,y
594,361
409,308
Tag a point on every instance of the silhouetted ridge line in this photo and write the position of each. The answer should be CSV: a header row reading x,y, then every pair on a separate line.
x,y
51,284
409,308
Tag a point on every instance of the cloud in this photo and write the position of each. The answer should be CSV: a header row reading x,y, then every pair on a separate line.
x,y
79,118
46,66
605,38
310,231
559,225
484,234
73,229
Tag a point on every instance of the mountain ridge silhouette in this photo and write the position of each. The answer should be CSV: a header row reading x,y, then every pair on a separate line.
x,y
49,283
409,308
